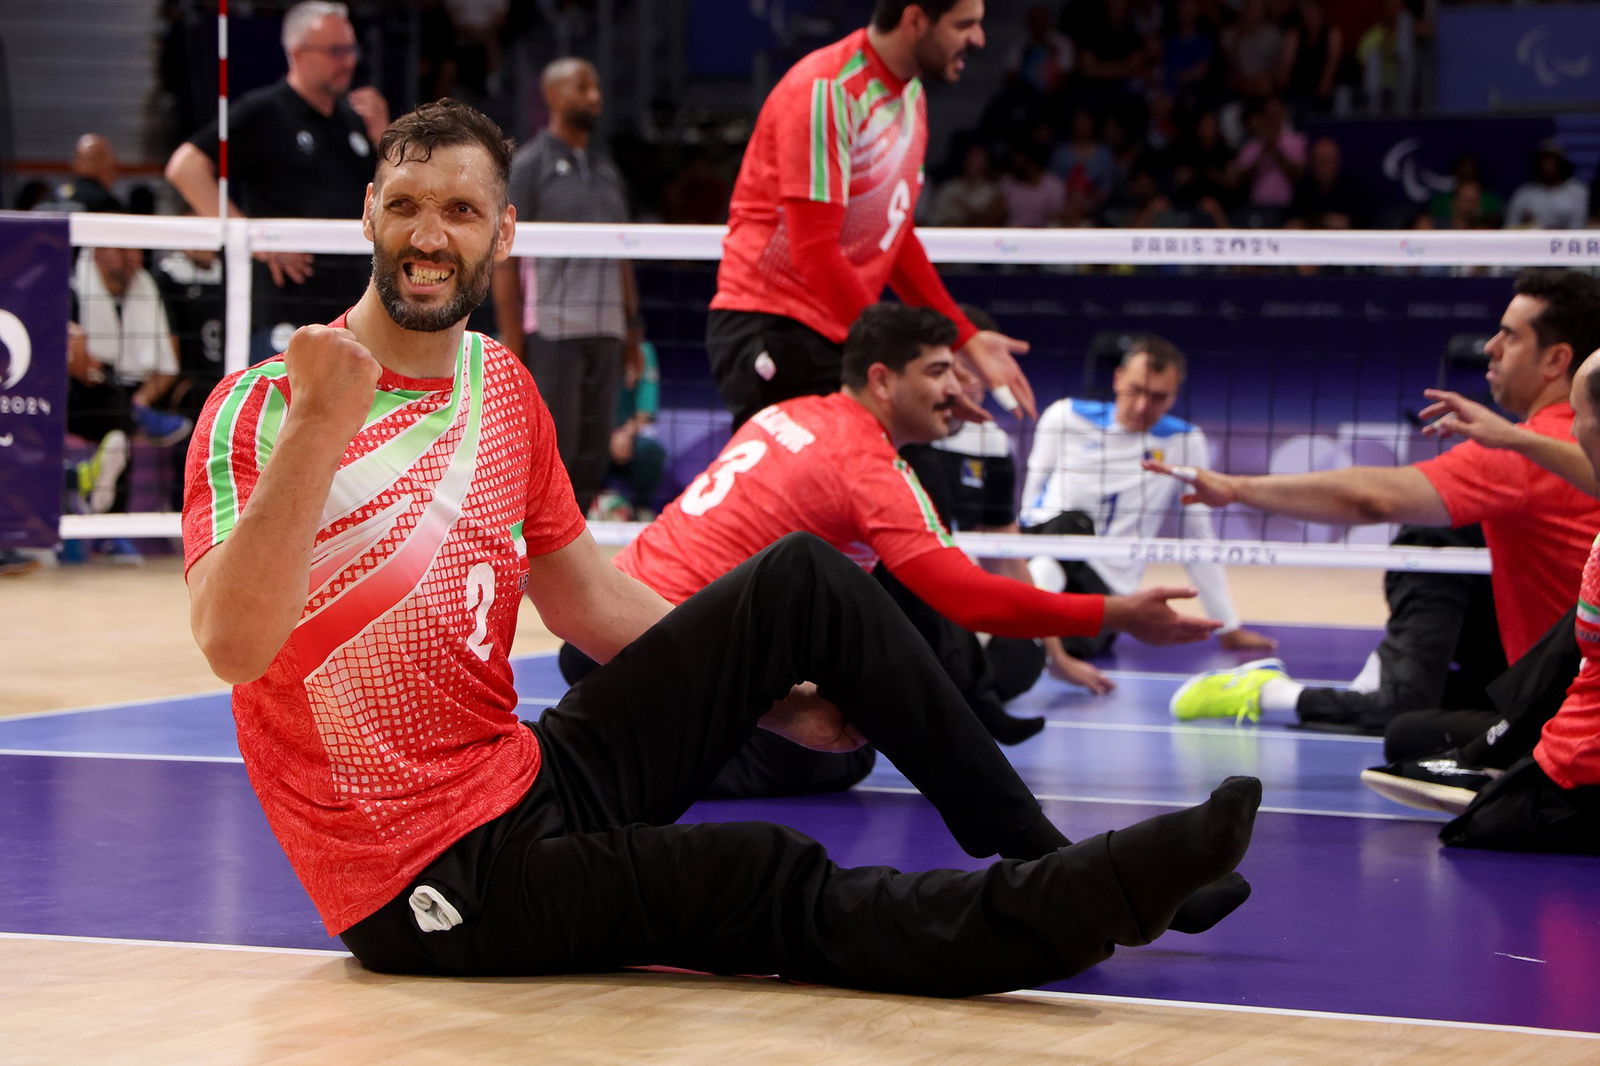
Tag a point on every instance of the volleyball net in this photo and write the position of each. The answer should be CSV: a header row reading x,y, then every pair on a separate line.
x,y
1306,350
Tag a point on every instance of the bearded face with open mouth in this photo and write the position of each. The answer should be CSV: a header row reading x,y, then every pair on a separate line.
x,y
429,293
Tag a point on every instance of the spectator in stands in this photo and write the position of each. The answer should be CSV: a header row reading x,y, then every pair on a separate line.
x,y
94,176
971,198
1553,198
1200,164
1325,197
1116,63
1466,169
1034,197
122,365
1317,71
1253,50
1388,56
1085,478
1468,208
1537,527
1085,163
1189,56
1140,203
129,340
1044,57
574,322
638,458
299,148
1272,160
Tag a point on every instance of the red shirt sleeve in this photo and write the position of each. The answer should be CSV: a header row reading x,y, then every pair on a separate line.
x,y
815,247
916,282
975,599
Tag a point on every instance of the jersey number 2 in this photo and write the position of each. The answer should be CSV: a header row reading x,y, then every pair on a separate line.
x,y
713,486
480,597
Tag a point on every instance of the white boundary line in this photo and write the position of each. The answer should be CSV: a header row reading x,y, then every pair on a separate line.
x,y
124,755
1186,730
1026,993
1292,1012
1055,797
195,944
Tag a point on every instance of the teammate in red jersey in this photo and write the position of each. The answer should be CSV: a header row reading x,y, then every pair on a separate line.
x,y
820,218
364,516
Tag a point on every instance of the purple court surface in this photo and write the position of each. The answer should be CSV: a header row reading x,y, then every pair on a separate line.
x,y
137,822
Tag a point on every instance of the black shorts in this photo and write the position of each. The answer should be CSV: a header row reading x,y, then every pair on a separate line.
x,y
759,359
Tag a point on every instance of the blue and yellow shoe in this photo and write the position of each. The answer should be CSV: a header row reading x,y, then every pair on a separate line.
x,y
1233,693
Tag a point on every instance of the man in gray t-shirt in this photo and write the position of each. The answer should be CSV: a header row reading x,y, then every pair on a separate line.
x,y
582,325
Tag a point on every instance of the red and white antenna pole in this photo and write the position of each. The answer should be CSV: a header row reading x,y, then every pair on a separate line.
x,y
222,113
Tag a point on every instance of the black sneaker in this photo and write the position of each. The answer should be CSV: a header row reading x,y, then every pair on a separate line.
x,y
1433,783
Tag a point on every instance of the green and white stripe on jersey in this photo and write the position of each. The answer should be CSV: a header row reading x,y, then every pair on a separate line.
x,y
219,449
930,515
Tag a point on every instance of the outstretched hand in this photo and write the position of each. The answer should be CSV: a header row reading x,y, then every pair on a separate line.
x,y
1457,416
1148,617
1077,672
811,722
993,356
1205,486
1242,639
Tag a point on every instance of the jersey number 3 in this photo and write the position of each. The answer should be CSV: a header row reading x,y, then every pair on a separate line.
x,y
713,486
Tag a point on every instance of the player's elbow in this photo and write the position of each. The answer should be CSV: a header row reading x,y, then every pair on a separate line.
x,y
237,654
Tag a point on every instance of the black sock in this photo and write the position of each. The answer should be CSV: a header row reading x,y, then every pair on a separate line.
x,y
1163,861
1038,840
1005,727
1211,904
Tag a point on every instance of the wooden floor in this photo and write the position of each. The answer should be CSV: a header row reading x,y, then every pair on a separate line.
x,y
95,634
89,636
112,1003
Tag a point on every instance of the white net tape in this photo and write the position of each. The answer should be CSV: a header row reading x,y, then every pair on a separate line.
x,y
240,238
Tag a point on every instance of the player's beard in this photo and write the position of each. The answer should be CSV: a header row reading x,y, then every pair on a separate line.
x,y
472,286
933,65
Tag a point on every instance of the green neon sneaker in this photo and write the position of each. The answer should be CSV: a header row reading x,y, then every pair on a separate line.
x,y
1233,693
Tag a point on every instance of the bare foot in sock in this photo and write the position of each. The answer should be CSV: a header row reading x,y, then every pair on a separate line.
x,y
1211,904
1005,727
1163,862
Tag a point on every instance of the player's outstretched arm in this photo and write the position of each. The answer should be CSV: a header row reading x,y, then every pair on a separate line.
x,y
1147,616
1457,416
1353,495
246,594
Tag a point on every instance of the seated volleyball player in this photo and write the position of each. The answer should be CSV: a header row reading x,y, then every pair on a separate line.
x,y
364,514
1084,477
828,465
1527,779
1537,526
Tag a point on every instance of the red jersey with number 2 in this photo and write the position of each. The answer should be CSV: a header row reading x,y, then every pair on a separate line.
x,y
839,128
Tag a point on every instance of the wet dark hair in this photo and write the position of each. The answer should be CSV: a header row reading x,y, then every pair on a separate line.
x,y
894,335
1571,313
447,123
886,13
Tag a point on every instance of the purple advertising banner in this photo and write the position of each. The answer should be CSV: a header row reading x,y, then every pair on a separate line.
x,y
35,263
1494,58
